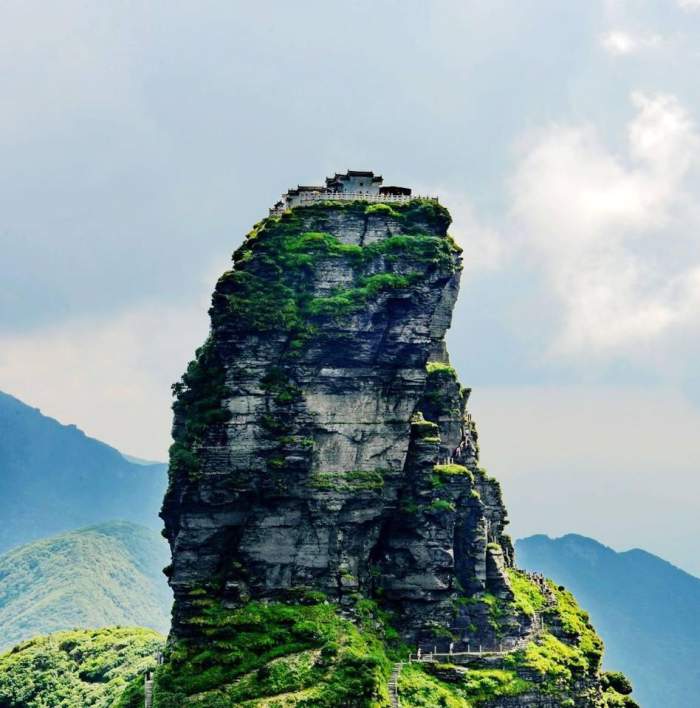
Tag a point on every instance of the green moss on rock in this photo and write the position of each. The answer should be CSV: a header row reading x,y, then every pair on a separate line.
x,y
452,470
268,649
528,598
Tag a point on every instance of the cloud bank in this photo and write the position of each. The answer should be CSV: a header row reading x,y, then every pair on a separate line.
x,y
614,233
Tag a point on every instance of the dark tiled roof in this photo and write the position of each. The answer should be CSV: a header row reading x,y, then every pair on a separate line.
x,y
339,178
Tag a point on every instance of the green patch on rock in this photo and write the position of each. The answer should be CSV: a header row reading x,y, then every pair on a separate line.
x,y
199,402
424,429
482,685
268,649
452,470
383,209
349,300
455,687
417,689
439,505
354,480
438,369
527,596
576,623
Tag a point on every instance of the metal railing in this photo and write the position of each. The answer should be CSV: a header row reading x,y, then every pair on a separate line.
x,y
306,198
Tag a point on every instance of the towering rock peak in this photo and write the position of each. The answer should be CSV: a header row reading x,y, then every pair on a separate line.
x,y
325,478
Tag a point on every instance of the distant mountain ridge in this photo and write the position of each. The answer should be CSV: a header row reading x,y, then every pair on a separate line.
x,y
103,575
54,478
646,610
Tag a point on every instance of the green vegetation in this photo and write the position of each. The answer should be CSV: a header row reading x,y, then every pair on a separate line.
x,y
617,689
617,681
452,470
442,505
103,575
487,684
424,429
384,209
270,649
97,668
642,603
427,686
418,689
352,300
271,291
442,395
497,611
528,598
199,395
438,369
414,215
613,699
277,382
576,623
559,663
355,480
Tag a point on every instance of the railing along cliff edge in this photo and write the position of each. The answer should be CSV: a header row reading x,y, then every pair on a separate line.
x,y
313,197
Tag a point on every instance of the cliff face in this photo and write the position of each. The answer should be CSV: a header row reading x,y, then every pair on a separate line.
x,y
324,454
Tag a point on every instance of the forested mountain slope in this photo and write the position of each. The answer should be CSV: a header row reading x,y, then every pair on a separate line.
x,y
103,575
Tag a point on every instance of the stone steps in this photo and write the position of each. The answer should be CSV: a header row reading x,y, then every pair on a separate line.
x,y
148,691
394,685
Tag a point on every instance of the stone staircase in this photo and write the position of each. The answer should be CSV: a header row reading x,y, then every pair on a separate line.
x,y
394,685
148,689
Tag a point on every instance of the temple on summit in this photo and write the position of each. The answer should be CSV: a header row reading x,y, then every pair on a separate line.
x,y
354,184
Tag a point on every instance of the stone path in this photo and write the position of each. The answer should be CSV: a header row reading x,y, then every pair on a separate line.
x,y
394,685
148,690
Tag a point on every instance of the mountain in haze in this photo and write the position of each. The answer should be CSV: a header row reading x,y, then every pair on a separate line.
x,y
54,478
103,575
646,610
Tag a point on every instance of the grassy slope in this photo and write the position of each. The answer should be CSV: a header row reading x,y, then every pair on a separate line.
x,y
78,668
646,610
103,575
303,653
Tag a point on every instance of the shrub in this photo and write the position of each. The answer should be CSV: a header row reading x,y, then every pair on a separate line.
x,y
384,209
618,682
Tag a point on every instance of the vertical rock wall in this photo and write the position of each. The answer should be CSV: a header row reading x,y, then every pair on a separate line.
x,y
321,437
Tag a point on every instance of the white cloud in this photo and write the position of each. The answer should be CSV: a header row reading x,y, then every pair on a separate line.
x,y
620,42
483,245
111,378
601,461
609,229
689,4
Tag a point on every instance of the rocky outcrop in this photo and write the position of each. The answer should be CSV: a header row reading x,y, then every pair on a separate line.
x,y
323,444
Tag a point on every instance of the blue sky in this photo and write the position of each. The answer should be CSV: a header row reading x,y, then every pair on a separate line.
x,y
139,142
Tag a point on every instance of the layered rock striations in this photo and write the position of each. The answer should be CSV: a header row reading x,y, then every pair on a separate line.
x,y
325,472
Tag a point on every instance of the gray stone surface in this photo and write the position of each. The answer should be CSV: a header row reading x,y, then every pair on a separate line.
x,y
368,480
